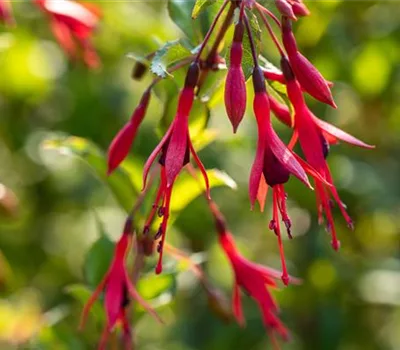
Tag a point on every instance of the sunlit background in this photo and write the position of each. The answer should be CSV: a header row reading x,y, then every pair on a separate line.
x,y
49,199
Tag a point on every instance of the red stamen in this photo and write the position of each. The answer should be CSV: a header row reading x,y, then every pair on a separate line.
x,y
342,207
164,225
285,275
201,167
160,193
324,200
283,209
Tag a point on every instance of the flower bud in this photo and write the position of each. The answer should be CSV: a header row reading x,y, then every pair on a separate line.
x,y
300,9
235,85
310,79
122,142
285,9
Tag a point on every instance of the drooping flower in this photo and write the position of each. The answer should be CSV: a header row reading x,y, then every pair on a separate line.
x,y
315,136
235,86
73,23
6,14
174,152
118,289
310,79
274,163
119,147
254,279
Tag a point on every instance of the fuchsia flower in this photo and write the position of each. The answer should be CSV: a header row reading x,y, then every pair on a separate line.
x,y
254,279
274,163
313,135
235,86
118,289
310,79
174,153
73,23
122,142
6,14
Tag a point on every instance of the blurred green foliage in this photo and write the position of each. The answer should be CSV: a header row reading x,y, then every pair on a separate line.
x,y
51,200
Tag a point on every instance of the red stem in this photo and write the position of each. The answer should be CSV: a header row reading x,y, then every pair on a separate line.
x,y
212,27
271,32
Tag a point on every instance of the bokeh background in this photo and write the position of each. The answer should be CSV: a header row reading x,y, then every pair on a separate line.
x,y
50,199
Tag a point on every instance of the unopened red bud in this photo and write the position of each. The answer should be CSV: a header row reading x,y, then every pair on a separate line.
x,y
122,142
120,146
235,85
310,79
285,9
235,95
300,9
288,38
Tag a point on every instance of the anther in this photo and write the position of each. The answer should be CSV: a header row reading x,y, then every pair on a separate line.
x,y
285,279
350,225
161,212
335,244
272,225
288,225
158,234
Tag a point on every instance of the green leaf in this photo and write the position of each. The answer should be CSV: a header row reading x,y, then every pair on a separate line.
x,y
172,52
248,63
98,258
189,188
202,140
119,182
152,286
200,6
180,12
